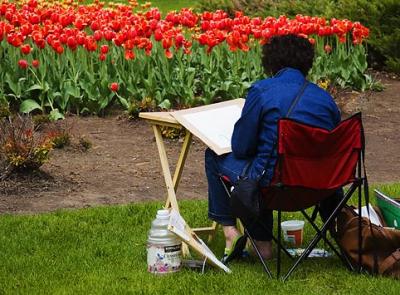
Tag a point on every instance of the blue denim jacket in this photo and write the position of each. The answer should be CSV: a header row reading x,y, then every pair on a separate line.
x,y
268,100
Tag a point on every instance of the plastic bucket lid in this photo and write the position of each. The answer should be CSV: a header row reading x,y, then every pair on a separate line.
x,y
292,225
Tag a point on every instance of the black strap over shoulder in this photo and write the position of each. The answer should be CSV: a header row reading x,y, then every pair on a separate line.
x,y
290,110
295,101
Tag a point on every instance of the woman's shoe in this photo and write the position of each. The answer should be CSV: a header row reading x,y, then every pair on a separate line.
x,y
236,250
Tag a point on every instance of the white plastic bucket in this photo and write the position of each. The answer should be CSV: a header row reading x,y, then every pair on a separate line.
x,y
293,231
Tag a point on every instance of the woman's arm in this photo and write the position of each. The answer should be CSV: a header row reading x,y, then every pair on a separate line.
x,y
245,132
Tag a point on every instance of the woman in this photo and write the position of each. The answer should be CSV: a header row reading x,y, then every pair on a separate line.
x,y
288,59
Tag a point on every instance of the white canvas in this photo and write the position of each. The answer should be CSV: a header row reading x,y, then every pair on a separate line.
x,y
213,124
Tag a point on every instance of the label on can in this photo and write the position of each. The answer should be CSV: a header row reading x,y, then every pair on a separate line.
x,y
163,259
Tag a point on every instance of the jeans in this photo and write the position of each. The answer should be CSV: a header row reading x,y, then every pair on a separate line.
x,y
219,208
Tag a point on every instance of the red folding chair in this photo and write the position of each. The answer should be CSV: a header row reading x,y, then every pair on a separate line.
x,y
312,163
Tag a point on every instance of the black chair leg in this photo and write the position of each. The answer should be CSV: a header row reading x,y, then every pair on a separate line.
x,y
265,266
314,214
324,228
311,221
276,240
279,245
359,230
340,254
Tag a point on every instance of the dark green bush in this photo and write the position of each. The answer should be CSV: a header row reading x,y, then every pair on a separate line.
x,y
212,5
382,17
269,7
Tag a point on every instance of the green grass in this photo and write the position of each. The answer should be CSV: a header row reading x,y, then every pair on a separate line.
x,y
168,5
103,250
163,5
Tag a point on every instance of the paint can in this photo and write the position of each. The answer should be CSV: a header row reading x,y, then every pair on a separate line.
x,y
164,249
293,231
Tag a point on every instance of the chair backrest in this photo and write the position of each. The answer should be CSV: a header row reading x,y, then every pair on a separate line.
x,y
313,162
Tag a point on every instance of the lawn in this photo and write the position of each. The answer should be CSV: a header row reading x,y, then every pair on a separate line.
x,y
103,250
168,5
163,5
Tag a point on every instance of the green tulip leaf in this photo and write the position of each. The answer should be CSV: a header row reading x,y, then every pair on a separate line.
x,y
29,105
165,104
56,115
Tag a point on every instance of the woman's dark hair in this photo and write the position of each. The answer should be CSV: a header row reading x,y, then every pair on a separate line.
x,y
287,51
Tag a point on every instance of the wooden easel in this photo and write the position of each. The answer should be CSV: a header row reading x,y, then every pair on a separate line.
x,y
164,119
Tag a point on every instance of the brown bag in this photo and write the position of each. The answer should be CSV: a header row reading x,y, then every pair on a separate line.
x,y
380,245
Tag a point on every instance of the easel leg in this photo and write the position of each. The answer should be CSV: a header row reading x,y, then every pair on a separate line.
x,y
181,163
172,184
165,167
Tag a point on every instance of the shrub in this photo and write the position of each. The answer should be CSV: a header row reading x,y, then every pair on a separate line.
x,y
147,104
4,110
212,5
85,144
274,8
60,138
22,147
383,19
172,133
59,133
40,120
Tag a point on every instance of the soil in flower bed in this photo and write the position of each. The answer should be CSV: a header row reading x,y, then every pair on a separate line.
x,y
123,164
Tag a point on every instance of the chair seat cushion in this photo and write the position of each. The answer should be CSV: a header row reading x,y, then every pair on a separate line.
x,y
292,198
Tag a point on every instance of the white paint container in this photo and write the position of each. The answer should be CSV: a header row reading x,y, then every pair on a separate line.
x,y
293,231
164,249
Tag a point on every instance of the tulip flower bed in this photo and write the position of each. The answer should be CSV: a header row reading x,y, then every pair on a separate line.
x,y
62,56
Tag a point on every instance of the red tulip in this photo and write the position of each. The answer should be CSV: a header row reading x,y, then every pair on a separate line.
x,y
90,44
167,43
71,42
40,43
115,25
129,54
32,3
35,63
148,49
104,49
80,24
109,35
34,19
23,64
179,40
95,25
15,39
114,87
63,38
26,49
80,38
98,35
119,39
168,53
59,49
129,44
327,48
158,35
26,29
342,38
